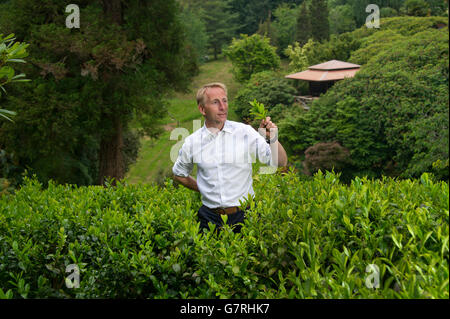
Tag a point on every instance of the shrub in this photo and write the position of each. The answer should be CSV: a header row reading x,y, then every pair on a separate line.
x,y
250,55
325,157
387,12
268,88
418,8
301,239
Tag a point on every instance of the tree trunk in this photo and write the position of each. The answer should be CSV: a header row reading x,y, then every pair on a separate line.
x,y
215,52
111,160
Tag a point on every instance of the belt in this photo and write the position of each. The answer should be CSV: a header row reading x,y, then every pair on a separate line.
x,y
225,211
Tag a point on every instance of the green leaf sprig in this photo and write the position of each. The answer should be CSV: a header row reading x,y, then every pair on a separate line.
x,y
258,110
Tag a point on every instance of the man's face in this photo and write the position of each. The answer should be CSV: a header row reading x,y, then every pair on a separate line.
x,y
215,109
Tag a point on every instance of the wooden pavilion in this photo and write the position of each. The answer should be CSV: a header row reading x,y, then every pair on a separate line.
x,y
322,76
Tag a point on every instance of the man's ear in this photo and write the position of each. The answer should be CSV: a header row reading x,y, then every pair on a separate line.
x,y
201,108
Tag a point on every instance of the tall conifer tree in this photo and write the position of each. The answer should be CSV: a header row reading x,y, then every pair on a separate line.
x,y
220,23
88,83
320,26
303,31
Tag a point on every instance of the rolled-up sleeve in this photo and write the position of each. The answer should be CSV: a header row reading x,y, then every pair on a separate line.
x,y
184,163
262,148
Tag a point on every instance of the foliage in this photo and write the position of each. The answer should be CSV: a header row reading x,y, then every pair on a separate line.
x,y
285,20
441,169
359,8
89,83
10,52
299,56
338,48
341,19
436,7
418,8
326,157
388,12
196,36
268,88
258,110
345,46
220,22
320,25
301,239
312,22
251,13
267,29
250,55
303,25
393,115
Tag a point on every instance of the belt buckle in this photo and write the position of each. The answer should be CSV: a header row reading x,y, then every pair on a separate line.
x,y
219,210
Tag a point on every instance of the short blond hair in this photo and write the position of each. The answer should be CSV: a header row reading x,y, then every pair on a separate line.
x,y
201,93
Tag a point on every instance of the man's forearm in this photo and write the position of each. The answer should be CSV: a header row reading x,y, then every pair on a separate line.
x,y
281,153
188,182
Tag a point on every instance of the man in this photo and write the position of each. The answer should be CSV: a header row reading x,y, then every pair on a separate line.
x,y
224,151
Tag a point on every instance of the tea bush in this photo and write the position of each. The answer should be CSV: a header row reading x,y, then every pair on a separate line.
x,y
301,239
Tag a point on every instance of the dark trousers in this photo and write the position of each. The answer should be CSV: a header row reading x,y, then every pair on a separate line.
x,y
235,220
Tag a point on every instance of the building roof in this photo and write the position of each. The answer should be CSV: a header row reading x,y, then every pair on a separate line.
x,y
316,75
329,71
334,65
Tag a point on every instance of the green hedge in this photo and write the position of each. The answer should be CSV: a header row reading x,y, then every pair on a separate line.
x,y
301,239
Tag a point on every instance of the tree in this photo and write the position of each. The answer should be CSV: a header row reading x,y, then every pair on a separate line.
x,y
359,10
266,29
284,26
320,26
252,13
338,48
438,7
299,55
387,12
341,19
220,23
90,82
418,8
195,30
303,30
251,54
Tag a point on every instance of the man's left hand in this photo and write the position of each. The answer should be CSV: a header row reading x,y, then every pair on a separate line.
x,y
268,124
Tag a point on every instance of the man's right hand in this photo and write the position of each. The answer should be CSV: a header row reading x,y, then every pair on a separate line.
x,y
188,182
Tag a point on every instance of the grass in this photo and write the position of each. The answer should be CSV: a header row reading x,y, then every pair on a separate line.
x,y
215,71
154,162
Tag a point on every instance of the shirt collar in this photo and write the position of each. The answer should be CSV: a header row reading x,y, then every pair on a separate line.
x,y
227,127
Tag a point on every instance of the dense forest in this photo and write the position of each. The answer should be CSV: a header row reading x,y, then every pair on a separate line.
x,y
68,117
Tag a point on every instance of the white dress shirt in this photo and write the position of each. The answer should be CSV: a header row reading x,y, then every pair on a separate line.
x,y
224,162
